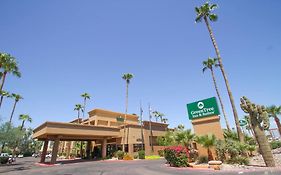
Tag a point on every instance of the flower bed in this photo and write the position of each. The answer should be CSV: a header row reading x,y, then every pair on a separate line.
x,y
177,156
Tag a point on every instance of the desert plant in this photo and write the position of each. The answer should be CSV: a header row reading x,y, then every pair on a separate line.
x,y
202,159
127,157
275,144
141,154
259,120
120,154
207,141
241,160
221,150
177,156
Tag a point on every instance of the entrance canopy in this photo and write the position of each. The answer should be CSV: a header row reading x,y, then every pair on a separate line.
x,y
73,132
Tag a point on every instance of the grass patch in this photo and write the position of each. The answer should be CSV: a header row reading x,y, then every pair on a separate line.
x,y
153,157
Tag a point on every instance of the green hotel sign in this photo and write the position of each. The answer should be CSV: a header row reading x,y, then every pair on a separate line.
x,y
203,108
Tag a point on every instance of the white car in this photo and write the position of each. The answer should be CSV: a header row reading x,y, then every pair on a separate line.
x,y
48,156
20,156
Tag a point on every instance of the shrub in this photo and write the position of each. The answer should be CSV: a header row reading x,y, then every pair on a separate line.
x,y
161,153
120,154
153,157
177,156
241,160
202,159
127,157
4,160
27,154
136,156
221,150
275,144
141,154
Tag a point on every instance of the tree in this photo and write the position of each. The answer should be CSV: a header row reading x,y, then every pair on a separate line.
x,y
274,111
3,94
207,141
78,108
158,115
85,96
205,12
24,117
209,64
184,137
167,140
17,98
127,77
9,65
164,120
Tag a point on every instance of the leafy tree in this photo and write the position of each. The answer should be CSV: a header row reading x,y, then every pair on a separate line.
x,y
9,65
274,111
167,140
85,97
207,141
17,98
210,63
184,137
127,77
24,117
205,12
78,108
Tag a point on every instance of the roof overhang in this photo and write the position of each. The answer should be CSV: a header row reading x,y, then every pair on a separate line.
x,y
73,131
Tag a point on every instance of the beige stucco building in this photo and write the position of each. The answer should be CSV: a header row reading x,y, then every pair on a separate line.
x,y
103,133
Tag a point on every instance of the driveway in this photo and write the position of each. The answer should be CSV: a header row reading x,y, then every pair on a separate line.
x,y
138,167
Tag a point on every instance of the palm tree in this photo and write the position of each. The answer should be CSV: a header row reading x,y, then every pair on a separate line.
x,y
207,141
274,111
78,108
9,65
164,120
127,77
17,98
158,115
3,94
209,64
205,12
85,96
24,117
184,137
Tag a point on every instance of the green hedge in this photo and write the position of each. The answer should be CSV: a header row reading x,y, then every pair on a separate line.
x,y
275,144
4,160
141,154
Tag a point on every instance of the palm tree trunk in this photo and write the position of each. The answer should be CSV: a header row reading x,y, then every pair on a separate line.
x,y
236,118
277,121
126,110
22,125
14,107
1,100
3,80
222,106
263,143
84,107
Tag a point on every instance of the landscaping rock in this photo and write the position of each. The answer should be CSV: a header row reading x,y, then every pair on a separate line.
x,y
215,162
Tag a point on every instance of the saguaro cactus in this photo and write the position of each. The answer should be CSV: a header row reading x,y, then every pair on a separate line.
x,y
259,121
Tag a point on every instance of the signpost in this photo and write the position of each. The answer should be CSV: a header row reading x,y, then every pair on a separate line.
x,y
242,122
203,108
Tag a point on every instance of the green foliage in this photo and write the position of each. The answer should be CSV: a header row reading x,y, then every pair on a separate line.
x,y
136,156
4,160
241,160
230,134
275,144
141,154
167,140
221,150
161,153
177,156
120,154
202,159
152,157
184,137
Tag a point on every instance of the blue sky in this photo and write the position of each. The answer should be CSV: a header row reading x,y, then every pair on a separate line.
x,y
65,48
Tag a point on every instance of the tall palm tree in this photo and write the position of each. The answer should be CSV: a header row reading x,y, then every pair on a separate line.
x,y
274,111
209,64
9,65
207,141
17,98
3,94
78,108
85,96
205,12
158,115
24,117
127,77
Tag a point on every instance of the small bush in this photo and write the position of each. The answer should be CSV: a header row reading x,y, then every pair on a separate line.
x,y
161,153
127,157
238,160
202,159
153,157
4,160
141,154
120,154
275,144
136,156
177,156
27,154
